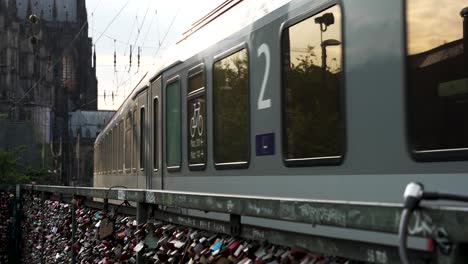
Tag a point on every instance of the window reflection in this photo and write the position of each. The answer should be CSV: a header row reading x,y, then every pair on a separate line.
x,y
231,109
312,54
128,141
142,138
437,74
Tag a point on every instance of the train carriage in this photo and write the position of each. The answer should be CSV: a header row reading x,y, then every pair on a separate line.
x,y
343,100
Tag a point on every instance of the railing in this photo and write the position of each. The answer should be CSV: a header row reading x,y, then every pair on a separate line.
x,y
446,226
13,226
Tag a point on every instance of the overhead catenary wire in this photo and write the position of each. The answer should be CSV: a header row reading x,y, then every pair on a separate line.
x,y
141,26
137,37
112,21
149,28
165,35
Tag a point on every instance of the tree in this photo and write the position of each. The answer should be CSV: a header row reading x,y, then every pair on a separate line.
x,y
10,168
13,172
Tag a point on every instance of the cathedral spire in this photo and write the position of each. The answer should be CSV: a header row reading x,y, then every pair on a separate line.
x,y
3,5
55,11
12,11
29,10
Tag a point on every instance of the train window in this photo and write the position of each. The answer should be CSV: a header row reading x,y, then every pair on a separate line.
x,y
121,145
106,157
110,157
107,151
231,111
155,134
196,82
135,138
112,150
128,142
142,138
173,128
103,156
95,159
313,125
116,147
196,120
437,78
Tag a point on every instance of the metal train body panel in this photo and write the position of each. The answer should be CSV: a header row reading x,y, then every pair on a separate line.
x,y
378,160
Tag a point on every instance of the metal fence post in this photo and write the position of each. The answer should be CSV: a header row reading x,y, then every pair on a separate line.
x,y
142,217
17,223
74,227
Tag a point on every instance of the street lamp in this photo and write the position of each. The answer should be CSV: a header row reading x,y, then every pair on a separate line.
x,y
324,45
325,20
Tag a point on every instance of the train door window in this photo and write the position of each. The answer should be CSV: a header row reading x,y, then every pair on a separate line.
x,y
95,159
111,150
116,147
231,111
173,125
313,119
106,158
155,134
135,139
99,158
437,79
111,147
128,142
121,145
196,118
110,157
142,138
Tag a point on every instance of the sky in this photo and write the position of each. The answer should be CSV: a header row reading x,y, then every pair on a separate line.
x,y
152,25
433,23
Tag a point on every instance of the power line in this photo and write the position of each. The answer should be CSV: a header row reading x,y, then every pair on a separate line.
x,y
92,17
165,35
125,43
112,21
149,28
141,26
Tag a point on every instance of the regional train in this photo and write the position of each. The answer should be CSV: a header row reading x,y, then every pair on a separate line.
x,y
325,99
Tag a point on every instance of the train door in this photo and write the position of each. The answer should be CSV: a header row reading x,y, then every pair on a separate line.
x,y
142,148
155,128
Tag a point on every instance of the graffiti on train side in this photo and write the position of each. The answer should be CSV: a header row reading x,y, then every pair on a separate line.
x,y
422,225
377,256
323,214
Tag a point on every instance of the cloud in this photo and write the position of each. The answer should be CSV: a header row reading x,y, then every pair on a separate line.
x,y
431,23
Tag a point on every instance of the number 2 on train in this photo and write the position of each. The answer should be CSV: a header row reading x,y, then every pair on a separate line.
x,y
264,103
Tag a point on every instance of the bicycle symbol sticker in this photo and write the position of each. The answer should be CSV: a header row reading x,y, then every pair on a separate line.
x,y
196,121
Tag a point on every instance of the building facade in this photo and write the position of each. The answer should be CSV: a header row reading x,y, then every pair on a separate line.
x,y
47,70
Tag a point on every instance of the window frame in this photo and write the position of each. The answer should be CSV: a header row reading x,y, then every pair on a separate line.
x,y
432,155
120,162
177,168
242,164
155,128
128,143
134,138
200,92
314,161
142,134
